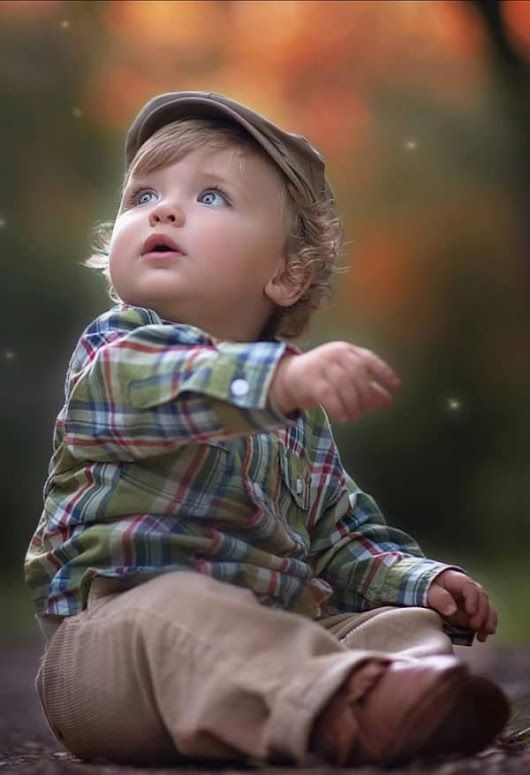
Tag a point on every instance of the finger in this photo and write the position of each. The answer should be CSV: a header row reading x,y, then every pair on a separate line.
x,y
355,387
492,620
381,398
470,593
457,583
332,399
480,617
346,392
379,368
488,629
491,625
442,601
372,395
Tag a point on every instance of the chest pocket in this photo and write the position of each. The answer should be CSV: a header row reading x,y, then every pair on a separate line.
x,y
296,476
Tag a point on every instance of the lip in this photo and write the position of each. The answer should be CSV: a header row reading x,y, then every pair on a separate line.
x,y
148,248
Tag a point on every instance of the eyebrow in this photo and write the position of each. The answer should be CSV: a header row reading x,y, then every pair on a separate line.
x,y
216,178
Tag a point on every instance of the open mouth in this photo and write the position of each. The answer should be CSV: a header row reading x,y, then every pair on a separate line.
x,y
160,245
163,249
161,252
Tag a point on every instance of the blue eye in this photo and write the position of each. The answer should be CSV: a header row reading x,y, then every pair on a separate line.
x,y
214,197
138,196
141,197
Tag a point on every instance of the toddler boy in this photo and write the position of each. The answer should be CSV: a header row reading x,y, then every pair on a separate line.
x,y
210,580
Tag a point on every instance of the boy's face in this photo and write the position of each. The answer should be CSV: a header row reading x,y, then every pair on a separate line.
x,y
230,233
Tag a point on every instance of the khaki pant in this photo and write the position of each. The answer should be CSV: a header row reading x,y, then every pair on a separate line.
x,y
186,665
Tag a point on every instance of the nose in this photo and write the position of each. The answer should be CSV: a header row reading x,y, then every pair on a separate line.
x,y
166,212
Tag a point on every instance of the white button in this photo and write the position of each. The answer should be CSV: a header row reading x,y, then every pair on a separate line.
x,y
299,486
258,490
240,387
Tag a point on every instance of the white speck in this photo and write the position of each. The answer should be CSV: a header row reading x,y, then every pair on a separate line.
x,y
454,404
9,355
258,490
2,222
411,145
240,387
65,24
77,112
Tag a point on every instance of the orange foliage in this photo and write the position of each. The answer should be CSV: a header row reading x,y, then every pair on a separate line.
x,y
310,62
116,95
516,15
290,36
337,121
396,263
382,277
185,27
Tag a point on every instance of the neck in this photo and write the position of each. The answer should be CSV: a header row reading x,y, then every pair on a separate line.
x,y
221,329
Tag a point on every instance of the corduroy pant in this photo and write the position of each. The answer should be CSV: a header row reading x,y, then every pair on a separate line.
x,y
184,665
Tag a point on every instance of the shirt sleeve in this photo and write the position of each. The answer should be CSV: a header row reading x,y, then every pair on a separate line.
x,y
367,562
139,387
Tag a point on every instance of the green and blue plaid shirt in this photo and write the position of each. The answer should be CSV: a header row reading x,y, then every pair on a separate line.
x,y
168,454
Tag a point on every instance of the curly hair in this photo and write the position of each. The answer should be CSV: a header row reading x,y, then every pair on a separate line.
x,y
314,233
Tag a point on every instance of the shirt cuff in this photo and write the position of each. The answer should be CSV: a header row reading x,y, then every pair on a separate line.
x,y
241,376
408,581
244,376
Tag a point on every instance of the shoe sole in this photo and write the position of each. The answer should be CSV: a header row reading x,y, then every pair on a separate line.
x,y
461,714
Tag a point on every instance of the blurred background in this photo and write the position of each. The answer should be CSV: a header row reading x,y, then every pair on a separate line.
x,y
422,110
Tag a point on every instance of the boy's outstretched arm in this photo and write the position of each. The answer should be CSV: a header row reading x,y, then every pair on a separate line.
x,y
138,387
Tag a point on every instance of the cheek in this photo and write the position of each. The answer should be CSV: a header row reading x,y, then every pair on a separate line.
x,y
121,241
118,238
251,241
118,255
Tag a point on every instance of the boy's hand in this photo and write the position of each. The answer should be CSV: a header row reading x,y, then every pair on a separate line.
x,y
346,380
463,602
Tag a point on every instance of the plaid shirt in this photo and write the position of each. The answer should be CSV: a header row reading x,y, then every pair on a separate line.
x,y
169,454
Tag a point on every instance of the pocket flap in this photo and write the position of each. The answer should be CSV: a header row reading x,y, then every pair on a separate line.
x,y
297,476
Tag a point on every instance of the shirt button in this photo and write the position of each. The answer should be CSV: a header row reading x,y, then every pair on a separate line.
x,y
239,387
299,486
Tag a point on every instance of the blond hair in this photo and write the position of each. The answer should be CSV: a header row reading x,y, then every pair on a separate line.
x,y
314,234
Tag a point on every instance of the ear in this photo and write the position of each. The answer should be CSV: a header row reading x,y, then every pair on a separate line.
x,y
288,283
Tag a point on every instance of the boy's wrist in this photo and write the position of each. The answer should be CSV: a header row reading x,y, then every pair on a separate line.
x,y
278,393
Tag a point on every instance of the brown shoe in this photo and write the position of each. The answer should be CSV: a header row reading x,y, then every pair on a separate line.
x,y
390,712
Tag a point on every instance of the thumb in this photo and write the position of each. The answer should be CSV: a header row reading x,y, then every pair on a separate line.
x,y
440,599
380,396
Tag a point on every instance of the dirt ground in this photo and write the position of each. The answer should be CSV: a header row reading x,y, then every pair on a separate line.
x,y
26,745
